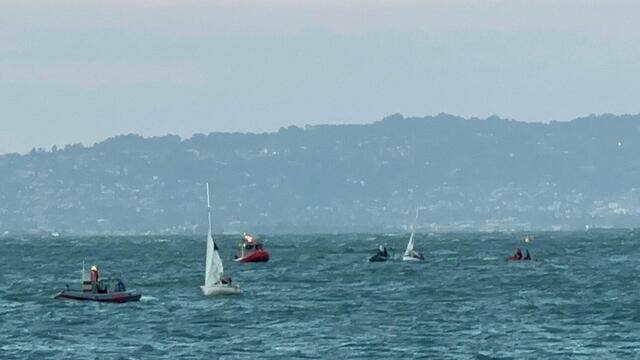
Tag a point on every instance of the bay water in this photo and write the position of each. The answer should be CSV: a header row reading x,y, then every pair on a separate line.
x,y
319,298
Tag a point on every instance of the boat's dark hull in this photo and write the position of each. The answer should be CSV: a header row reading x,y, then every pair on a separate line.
x,y
378,258
119,297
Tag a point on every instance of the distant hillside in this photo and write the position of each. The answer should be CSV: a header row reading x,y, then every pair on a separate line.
x,y
480,174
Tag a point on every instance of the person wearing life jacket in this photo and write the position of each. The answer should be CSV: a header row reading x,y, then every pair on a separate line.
x,y
95,276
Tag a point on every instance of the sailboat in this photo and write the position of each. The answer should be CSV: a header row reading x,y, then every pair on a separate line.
x,y
410,254
214,281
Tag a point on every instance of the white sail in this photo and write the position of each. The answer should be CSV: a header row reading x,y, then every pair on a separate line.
x,y
409,253
213,269
409,250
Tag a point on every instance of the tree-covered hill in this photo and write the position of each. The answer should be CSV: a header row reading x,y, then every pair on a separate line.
x,y
481,174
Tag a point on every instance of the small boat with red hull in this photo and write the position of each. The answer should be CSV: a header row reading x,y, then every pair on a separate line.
x,y
104,290
251,250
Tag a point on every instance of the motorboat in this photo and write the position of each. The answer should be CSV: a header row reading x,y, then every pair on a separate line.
x,y
381,255
104,290
251,250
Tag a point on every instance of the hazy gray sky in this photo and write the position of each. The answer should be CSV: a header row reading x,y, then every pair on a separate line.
x,y
81,71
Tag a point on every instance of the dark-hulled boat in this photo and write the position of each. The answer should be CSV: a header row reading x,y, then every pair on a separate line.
x,y
251,250
378,258
381,255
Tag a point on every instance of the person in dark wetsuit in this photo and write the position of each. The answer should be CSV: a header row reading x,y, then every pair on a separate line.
x,y
527,256
517,255
382,251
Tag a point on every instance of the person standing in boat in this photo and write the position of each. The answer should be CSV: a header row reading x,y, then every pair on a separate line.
x,y
382,250
95,276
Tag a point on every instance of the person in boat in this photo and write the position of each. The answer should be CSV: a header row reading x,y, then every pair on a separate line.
x,y
382,251
527,256
120,286
247,241
95,276
517,255
226,280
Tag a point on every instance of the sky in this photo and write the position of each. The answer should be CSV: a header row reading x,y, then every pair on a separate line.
x,y
82,71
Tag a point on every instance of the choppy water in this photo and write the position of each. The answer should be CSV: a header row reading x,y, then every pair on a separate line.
x,y
319,298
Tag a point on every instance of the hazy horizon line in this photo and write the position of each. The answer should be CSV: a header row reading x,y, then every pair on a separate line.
x,y
397,231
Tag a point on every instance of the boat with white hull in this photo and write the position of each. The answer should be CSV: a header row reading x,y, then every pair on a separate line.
x,y
410,254
214,281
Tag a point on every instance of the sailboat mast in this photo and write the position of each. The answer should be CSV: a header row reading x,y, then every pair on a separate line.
x,y
209,208
413,226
